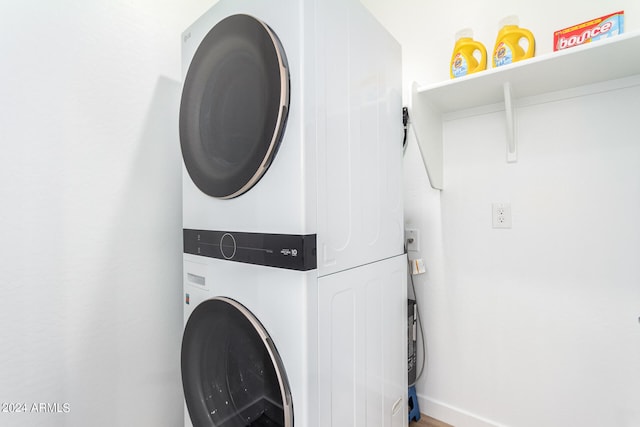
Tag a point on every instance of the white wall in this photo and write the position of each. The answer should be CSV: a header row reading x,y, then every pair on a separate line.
x,y
537,325
90,217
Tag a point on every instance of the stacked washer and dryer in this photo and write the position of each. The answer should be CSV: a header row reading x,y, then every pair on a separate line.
x,y
294,272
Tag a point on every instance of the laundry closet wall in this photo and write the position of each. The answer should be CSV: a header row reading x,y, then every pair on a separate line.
x,y
537,325
90,211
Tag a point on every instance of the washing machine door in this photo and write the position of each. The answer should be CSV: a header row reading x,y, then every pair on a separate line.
x,y
234,106
231,371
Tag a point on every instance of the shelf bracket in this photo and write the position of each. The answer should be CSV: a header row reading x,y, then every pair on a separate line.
x,y
427,125
512,151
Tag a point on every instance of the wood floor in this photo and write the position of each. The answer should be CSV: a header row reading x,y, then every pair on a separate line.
x,y
426,421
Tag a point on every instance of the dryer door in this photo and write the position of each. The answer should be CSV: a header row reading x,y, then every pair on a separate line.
x,y
234,106
231,371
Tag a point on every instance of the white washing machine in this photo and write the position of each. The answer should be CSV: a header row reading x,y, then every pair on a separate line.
x,y
305,137
294,273
276,347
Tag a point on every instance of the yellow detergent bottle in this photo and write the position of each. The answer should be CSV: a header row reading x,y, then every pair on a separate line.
x,y
469,56
509,44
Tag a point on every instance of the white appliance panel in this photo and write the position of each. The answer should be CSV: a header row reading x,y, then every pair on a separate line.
x,y
360,217
362,343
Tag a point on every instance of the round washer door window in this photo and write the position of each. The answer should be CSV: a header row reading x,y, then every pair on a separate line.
x,y
232,374
234,106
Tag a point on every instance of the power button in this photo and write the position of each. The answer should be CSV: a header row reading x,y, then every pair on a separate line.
x,y
228,246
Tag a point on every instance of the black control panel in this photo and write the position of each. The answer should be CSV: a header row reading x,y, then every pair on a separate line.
x,y
290,251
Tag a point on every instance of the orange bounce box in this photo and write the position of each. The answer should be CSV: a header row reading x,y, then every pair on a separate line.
x,y
595,29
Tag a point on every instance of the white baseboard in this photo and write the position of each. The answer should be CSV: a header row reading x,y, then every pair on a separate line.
x,y
451,415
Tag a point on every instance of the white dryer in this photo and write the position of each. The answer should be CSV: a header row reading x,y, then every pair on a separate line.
x,y
290,124
266,346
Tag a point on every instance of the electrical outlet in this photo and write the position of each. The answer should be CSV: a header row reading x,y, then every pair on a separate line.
x,y
412,239
501,215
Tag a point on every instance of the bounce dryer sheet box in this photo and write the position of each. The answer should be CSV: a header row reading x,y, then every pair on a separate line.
x,y
595,29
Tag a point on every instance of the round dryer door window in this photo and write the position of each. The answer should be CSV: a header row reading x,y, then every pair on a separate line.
x,y
234,106
231,371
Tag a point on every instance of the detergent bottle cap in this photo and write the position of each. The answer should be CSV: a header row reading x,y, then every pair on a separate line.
x,y
464,33
509,20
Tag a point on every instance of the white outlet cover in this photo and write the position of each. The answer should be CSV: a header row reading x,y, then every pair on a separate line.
x,y
501,215
412,239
